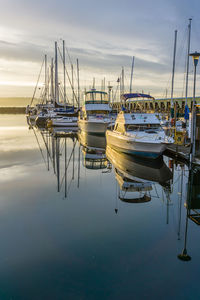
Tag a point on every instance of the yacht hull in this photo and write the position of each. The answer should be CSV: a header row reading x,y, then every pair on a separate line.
x,y
129,146
92,127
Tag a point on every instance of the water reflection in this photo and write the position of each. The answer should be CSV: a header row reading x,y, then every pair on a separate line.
x,y
77,246
192,207
93,150
138,180
136,176
59,155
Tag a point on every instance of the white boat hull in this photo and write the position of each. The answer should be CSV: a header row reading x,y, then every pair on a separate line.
x,y
93,127
126,145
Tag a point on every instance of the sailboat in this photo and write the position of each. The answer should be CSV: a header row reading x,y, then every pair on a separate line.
x,y
66,115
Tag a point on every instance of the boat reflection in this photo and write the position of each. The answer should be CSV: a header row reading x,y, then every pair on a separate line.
x,y
137,176
93,150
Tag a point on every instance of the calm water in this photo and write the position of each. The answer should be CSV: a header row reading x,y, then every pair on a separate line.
x,y
94,231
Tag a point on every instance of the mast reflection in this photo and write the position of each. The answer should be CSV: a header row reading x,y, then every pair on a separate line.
x,y
60,145
192,207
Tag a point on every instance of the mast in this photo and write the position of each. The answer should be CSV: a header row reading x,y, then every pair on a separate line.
x,y
122,87
58,162
72,68
93,85
65,167
188,52
46,142
131,79
64,72
104,84
52,83
78,83
79,165
46,80
173,71
56,74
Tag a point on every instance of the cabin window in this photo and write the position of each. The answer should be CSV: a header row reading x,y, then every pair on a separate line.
x,y
96,97
142,127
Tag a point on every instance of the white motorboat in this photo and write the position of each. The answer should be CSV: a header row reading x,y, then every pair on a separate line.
x,y
95,115
68,122
139,134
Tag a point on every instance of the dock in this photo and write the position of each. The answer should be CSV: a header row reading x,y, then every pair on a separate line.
x,y
179,151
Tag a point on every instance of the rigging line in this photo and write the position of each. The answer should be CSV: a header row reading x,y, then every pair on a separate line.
x,y
69,185
67,165
116,90
70,60
37,82
68,77
61,90
179,54
195,30
47,148
62,146
41,95
181,48
48,84
39,145
184,75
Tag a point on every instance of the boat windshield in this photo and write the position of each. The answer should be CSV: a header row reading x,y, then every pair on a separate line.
x,y
96,97
95,163
99,113
143,127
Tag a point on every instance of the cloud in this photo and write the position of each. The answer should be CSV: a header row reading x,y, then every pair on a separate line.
x,y
103,35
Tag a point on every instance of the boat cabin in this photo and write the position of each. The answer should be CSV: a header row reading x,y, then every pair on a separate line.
x,y
96,104
127,122
96,97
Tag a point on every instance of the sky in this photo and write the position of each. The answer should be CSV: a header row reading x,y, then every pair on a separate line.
x,y
104,35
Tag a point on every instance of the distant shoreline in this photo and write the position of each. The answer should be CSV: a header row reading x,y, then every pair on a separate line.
x,y
12,110
15,101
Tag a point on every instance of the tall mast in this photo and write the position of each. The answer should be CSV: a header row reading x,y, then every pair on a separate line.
x,y
72,68
58,162
56,74
78,84
188,52
122,87
131,80
64,72
173,71
45,90
52,83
